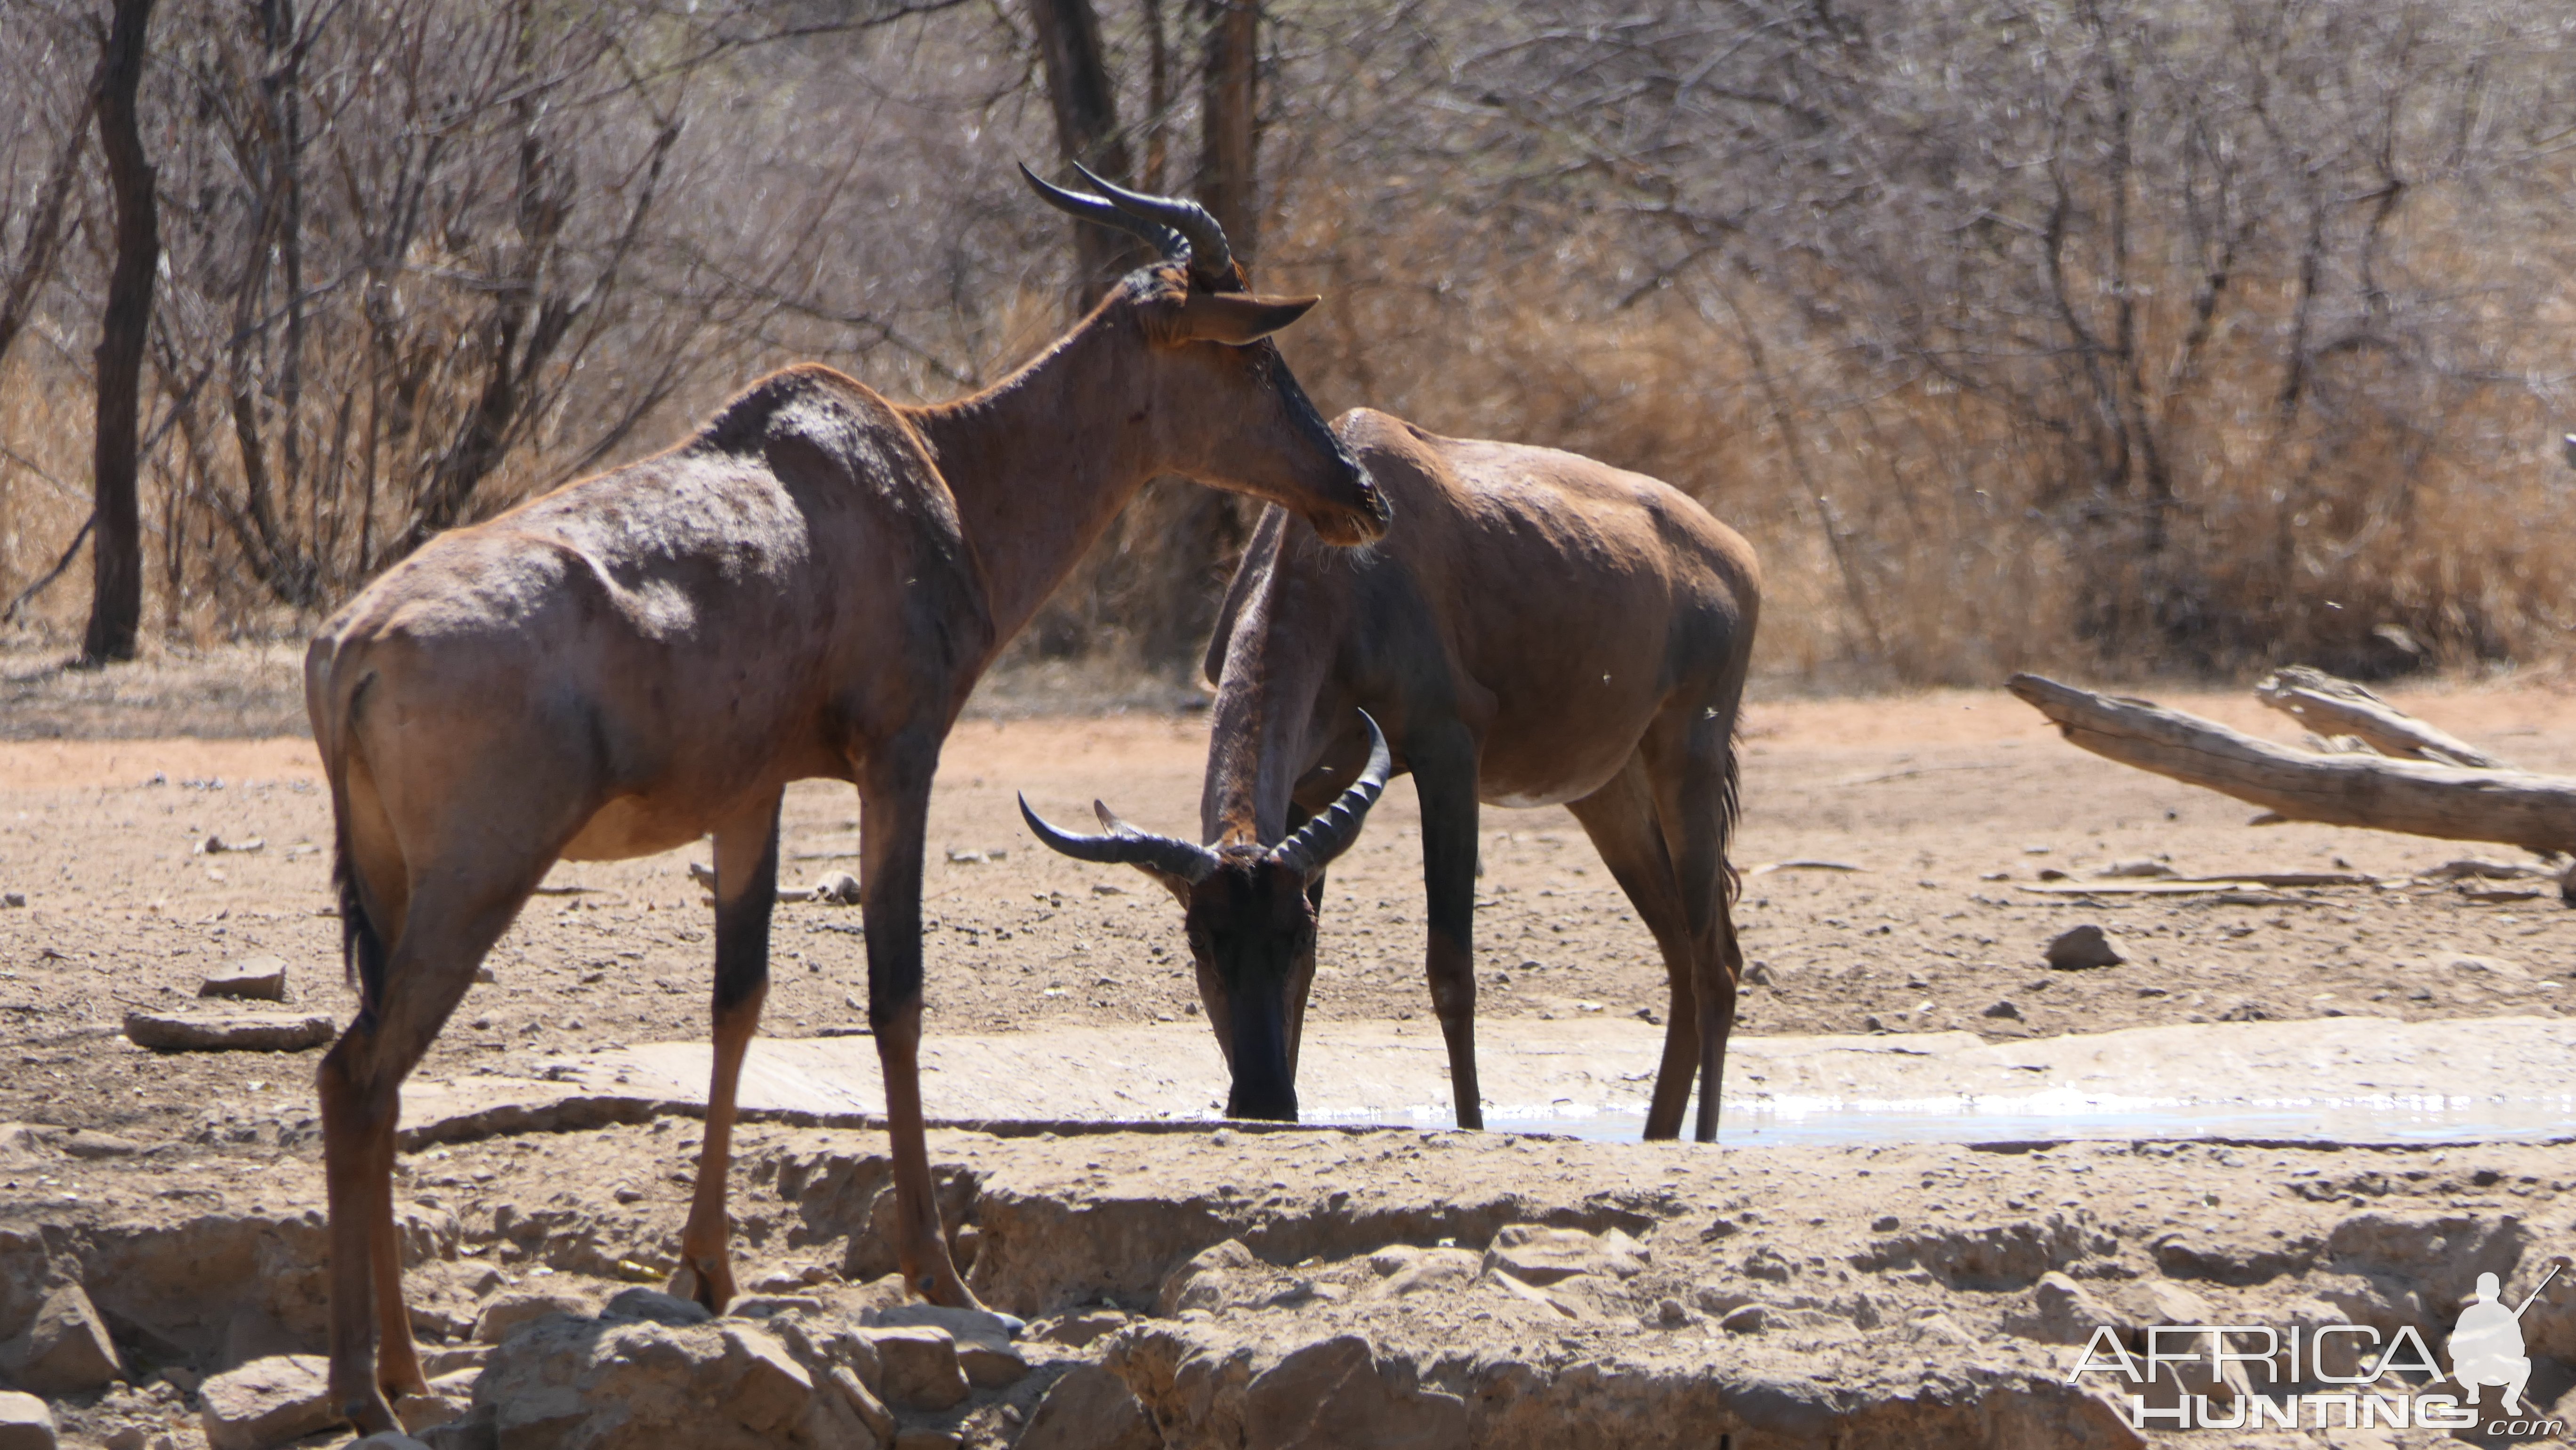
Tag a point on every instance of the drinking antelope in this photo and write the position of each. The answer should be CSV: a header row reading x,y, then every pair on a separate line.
x,y
1538,629
808,587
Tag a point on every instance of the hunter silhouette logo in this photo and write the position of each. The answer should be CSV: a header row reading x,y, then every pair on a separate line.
x,y
2260,1375
2486,1345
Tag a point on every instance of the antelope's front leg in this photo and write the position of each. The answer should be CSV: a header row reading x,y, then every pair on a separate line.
x,y
746,892
893,826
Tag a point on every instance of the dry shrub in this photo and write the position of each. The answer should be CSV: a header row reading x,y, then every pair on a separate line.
x,y
2112,337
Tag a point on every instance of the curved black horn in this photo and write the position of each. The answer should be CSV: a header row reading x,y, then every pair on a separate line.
x,y
1163,239
1124,845
1210,254
1330,834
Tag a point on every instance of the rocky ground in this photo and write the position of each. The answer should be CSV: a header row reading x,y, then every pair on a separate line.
x,y
1882,1295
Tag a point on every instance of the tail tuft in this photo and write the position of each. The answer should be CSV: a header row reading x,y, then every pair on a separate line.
x,y
362,949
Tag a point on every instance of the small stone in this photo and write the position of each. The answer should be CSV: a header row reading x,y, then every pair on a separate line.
x,y
1751,1319
835,888
2005,1009
919,1366
656,1306
66,1350
437,1362
25,1422
984,1348
13,899
260,979
2136,869
2084,947
228,1034
389,1440
1537,1254
763,1306
84,1143
423,1412
505,1315
863,1403
267,1402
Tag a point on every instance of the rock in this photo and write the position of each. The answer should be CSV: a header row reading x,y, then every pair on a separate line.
x,y
918,1366
65,1350
2084,947
927,1437
245,1033
656,1306
1078,1330
1332,1394
839,888
983,1339
267,1402
1434,1269
634,1384
423,1412
13,899
25,1422
508,1312
2063,1311
764,1306
2225,1261
1750,1319
259,979
387,1440
438,1362
2121,869
1548,1299
863,1403
1200,1283
20,1141
2004,1008
1536,1254
88,1143
1090,1409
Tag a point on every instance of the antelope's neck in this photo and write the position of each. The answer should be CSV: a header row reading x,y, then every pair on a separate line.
x,y
1261,728
1040,464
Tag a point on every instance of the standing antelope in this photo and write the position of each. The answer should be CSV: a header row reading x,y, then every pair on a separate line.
x,y
807,588
1538,629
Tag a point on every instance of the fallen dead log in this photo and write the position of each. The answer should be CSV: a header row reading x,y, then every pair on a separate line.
x,y
2453,803
2331,706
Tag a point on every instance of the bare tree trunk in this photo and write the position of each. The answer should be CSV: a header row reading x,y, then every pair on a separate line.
x,y
2517,808
116,593
1158,96
1230,135
1086,130
36,251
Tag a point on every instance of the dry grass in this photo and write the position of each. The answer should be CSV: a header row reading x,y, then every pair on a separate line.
x,y
1883,401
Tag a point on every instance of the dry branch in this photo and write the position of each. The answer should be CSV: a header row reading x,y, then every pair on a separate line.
x,y
2535,812
2331,706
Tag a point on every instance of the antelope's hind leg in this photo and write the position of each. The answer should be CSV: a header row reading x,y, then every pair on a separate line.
x,y
746,893
1690,763
448,923
1620,819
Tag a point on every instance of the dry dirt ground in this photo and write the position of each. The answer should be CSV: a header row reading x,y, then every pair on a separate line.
x,y
1946,807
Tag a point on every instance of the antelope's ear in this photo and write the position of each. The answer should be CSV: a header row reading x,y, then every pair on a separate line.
x,y
1179,886
1235,318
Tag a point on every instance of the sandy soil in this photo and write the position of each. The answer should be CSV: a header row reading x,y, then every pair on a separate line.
x,y
1949,805
1945,806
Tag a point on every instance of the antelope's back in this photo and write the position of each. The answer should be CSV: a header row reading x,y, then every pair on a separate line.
x,y
748,582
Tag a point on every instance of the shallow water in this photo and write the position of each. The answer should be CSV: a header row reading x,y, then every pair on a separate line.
x,y
2044,1117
